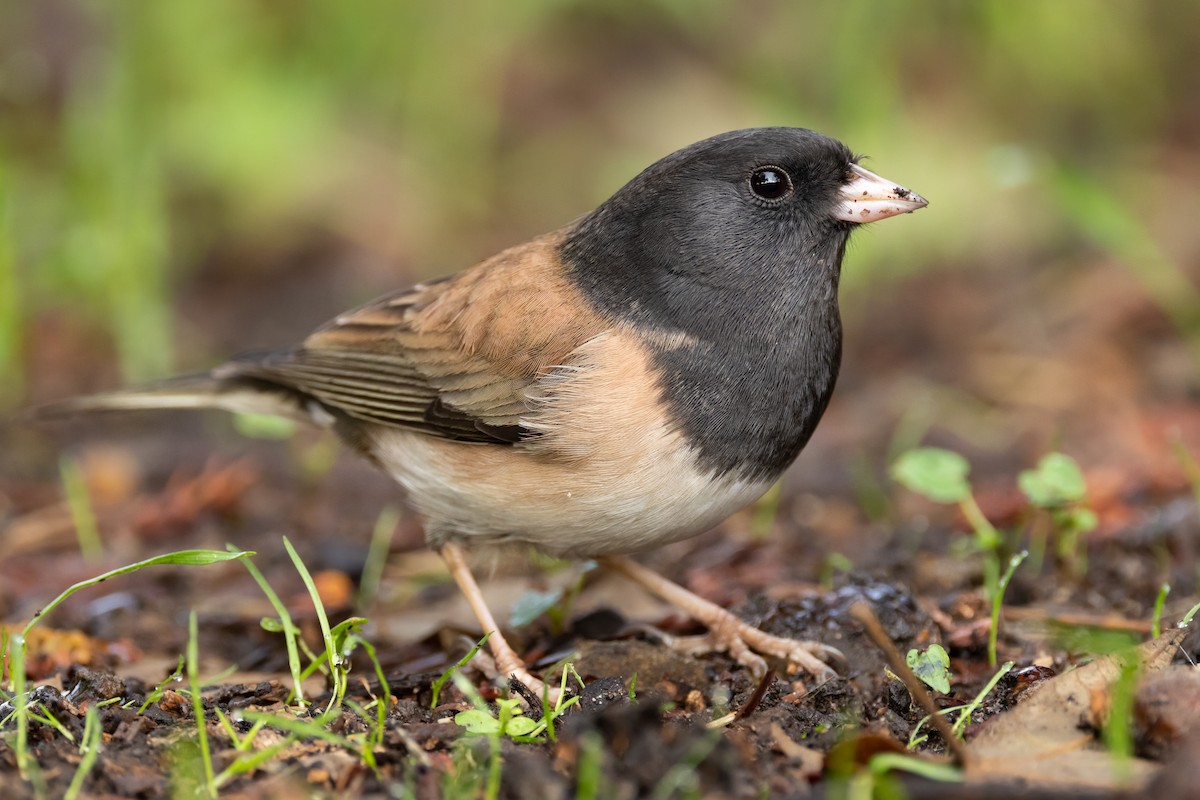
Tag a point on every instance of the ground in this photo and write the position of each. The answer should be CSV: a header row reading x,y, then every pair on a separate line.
x,y
993,366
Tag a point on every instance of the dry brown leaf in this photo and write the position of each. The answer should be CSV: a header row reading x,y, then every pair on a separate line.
x,y
52,649
1041,741
1166,710
216,488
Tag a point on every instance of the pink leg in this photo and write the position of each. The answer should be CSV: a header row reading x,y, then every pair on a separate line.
x,y
725,631
508,663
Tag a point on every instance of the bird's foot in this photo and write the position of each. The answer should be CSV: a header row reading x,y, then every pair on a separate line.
x,y
748,644
726,632
509,666
505,663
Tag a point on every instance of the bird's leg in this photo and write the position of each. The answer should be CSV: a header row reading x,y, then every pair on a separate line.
x,y
725,631
508,663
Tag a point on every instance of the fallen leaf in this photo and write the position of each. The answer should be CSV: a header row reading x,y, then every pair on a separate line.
x,y
1166,710
1041,742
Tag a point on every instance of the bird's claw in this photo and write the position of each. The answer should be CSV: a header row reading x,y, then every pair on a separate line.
x,y
748,645
508,667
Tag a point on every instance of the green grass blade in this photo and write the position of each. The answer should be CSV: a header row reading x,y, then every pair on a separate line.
x,y
381,542
80,505
1159,602
462,662
12,310
90,749
290,632
193,674
337,671
887,762
184,558
969,709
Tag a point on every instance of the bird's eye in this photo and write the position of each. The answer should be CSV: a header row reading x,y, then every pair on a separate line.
x,y
770,183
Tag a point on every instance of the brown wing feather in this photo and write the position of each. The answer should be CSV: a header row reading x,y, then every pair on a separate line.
x,y
453,358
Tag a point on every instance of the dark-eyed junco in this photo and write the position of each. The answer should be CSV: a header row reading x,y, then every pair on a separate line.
x,y
626,381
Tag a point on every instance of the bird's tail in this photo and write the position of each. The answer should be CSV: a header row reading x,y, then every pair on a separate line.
x,y
190,391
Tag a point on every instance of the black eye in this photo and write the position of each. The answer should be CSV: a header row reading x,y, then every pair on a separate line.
x,y
770,183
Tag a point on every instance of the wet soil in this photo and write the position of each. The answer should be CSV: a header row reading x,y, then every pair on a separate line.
x,y
961,376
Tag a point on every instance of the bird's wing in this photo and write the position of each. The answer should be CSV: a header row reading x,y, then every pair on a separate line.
x,y
452,358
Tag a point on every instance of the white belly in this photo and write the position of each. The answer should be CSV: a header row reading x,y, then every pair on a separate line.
x,y
495,494
607,471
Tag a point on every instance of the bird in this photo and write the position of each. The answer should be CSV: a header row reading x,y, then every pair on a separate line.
x,y
628,380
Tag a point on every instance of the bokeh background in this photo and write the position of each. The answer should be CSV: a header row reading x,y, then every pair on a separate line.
x,y
181,181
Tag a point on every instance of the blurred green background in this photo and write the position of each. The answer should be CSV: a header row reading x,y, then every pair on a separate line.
x,y
164,163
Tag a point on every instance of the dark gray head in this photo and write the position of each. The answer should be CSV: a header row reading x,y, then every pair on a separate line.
x,y
736,241
744,215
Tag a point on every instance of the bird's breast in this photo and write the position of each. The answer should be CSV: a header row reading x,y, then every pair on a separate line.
x,y
749,404
608,471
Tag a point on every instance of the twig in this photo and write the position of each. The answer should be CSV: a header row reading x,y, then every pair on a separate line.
x,y
759,692
1110,622
863,614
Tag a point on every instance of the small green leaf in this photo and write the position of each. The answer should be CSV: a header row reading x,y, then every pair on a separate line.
x,y
932,666
940,475
1056,481
477,721
1080,520
271,625
520,726
263,426
531,605
340,632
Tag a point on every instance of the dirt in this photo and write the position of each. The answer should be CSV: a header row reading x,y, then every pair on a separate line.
x,y
188,481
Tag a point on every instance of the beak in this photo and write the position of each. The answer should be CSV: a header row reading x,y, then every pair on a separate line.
x,y
866,197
